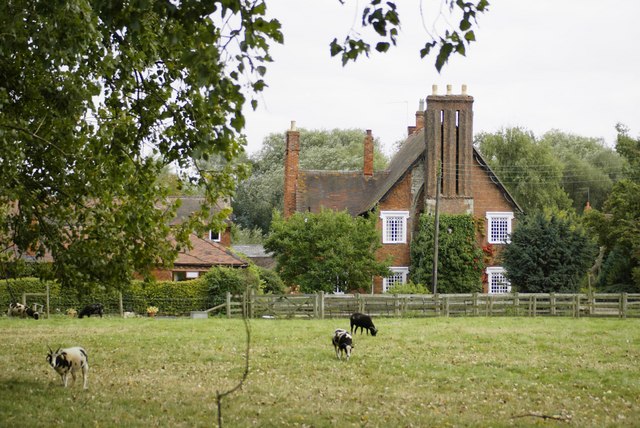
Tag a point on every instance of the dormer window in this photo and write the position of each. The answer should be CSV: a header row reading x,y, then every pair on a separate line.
x,y
214,236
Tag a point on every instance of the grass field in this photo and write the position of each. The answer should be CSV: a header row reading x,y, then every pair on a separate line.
x,y
416,372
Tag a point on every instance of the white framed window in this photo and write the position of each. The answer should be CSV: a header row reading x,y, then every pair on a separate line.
x,y
185,275
497,281
214,236
394,227
499,227
398,276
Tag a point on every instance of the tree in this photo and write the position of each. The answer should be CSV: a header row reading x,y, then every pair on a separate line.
x,y
460,260
98,97
527,168
618,225
326,251
590,167
548,253
262,191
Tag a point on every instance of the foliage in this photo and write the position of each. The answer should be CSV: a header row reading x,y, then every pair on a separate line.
x,y
262,191
326,250
590,167
460,260
384,19
152,310
82,110
409,287
271,281
618,226
528,168
220,281
548,253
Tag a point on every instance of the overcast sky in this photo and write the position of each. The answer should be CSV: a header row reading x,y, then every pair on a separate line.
x,y
572,65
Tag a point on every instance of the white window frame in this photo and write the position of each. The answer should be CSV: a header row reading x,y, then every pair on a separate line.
x,y
389,216
192,275
499,216
212,234
402,271
494,273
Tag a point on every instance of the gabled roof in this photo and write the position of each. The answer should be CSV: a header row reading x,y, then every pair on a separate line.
x,y
352,191
206,253
191,204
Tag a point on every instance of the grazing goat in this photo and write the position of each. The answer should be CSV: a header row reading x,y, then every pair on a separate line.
x,y
22,311
364,322
342,342
70,360
94,309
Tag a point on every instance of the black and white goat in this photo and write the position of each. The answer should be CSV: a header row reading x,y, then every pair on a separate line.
x,y
94,309
22,311
70,360
342,342
364,322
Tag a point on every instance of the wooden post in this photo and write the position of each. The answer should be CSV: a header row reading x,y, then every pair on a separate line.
x,y
48,301
120,305
623,305
436,304
321,304
552,303
446,306
516,302
475,304
535,304
228,304
490,305
576,305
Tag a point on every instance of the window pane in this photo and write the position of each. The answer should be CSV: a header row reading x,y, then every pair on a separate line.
x,y
498,283
499,229
395,230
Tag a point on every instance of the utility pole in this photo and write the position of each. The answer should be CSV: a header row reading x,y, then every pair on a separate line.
x,y
436,231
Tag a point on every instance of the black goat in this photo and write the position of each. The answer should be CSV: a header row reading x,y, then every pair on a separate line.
x,y
94,309
364,322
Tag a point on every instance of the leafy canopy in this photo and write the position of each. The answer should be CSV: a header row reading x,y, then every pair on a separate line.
x,y
548,253
326,251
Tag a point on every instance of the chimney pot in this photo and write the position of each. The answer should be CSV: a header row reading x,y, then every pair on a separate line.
x,y
448,89
464,89
293,125
434,89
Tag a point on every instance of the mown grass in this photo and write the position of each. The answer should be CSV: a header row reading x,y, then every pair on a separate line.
x,y
416,372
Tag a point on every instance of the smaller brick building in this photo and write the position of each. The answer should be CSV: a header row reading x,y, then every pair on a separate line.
x,y
206,251
442,136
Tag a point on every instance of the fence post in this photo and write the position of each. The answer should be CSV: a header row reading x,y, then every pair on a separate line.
x,y
228,304
576,306
591,302
446,306
120,305
623,305
360,303
48,296
516,302
535,305
321,304
491,296
475,304
552,303
436,304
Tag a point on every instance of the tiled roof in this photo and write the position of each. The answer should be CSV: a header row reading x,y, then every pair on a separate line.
x,y
207,253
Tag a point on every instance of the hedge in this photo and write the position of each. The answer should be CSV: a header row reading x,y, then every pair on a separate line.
x,y
172,298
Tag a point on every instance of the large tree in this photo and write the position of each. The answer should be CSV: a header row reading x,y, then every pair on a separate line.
x,y
618,224
96,97
548,253
262,191
326,251
526,166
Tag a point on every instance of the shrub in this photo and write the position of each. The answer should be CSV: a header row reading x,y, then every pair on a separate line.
x,y
272,283
408,288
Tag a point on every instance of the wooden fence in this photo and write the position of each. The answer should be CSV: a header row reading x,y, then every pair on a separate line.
x,y
321,305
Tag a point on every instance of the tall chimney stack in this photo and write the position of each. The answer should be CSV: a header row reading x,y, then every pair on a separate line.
x,y
291,166
368,154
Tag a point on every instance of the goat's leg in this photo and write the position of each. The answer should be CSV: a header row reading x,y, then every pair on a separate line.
x,y
64,379
85,376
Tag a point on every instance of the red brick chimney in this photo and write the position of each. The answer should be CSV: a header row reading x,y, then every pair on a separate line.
x,y
368,155
291,163
419,120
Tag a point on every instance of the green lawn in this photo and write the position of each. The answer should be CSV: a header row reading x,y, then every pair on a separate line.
x,y
416,372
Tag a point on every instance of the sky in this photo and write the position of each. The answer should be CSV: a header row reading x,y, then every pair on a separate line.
x,y
570,65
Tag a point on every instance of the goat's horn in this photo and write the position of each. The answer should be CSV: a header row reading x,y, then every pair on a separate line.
x,y
50,350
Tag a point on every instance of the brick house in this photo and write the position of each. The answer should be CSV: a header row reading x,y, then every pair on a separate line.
x,y
442,135
207,251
